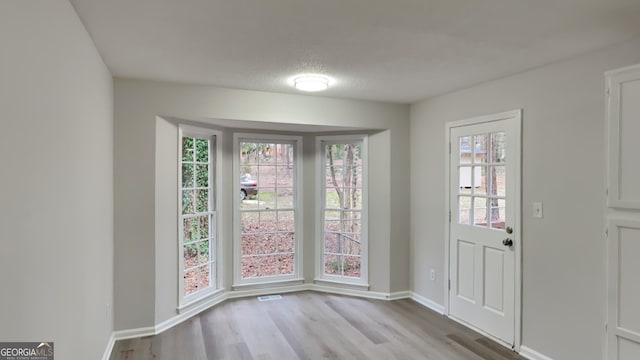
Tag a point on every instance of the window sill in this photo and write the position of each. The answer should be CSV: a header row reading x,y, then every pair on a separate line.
x,y
267,284
341,284
209,299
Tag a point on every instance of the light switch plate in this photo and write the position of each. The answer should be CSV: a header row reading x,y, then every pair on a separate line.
x,y
537,210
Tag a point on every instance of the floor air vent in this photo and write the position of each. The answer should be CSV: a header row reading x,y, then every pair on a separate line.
x,y
269,297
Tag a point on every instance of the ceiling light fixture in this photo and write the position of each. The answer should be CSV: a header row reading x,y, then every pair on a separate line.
x,y
311,83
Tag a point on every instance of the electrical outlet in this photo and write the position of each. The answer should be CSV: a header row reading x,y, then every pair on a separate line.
x,y
432,275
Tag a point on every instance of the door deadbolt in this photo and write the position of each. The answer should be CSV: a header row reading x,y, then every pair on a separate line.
x,y
509,230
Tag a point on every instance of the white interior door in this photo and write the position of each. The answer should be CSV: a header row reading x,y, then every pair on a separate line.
x,y
483,235
623,315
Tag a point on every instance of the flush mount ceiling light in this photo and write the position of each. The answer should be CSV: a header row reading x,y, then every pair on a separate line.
x,y
311,82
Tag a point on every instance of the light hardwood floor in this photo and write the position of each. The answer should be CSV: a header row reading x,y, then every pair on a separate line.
x,y
311,325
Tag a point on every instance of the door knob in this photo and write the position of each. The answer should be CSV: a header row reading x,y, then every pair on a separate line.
x,y
507,242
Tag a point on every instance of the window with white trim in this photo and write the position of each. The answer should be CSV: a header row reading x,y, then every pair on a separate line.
x,y
197,213
268,222
343,215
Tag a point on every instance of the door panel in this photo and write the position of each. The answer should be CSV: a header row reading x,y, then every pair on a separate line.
x,y
494,279
628,349
484,169
466,270
624,290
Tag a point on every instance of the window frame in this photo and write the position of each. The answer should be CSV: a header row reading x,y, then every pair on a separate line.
x,y
215,158
320,188
297,276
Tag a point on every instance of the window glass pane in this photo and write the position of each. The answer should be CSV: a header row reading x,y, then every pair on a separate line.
x,y
268,243
498,147
332,200
191,281
351,244
249,204
203,226
268,265
188,201
202,201
284,175
250,244
480,211
333,264
286,242
464,207
202,175
190,229
466,151
250,266
267,198
334,177
267,176
187,175
268,221
285,198
187,149
480,148
190,255
249,153
352,198
465,179
202,150
498,180
285,264
332,243
205,272
267,156
480,180
250,222
204,255
352,266
498,207
286,221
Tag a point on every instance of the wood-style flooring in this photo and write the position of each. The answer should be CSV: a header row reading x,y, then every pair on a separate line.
x,y
311,325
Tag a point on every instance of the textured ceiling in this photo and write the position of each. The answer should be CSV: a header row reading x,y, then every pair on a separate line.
x,y
398,51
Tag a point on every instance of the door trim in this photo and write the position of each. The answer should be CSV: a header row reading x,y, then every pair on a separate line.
x,y
516,115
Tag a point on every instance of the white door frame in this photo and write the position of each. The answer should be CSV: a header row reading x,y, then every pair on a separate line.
x,y
517,115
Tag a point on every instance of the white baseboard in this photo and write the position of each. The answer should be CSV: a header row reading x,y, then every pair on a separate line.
x,y
350,292
109,349
427,303
400,295
532,354
134,333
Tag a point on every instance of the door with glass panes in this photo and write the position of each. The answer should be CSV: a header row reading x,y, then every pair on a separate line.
x,y
483,234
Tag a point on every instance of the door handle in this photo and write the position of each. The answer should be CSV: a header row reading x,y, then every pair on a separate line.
x,y
507,242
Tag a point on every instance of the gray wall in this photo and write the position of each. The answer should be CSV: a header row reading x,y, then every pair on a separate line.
x,y
145,200
56,181
563,167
